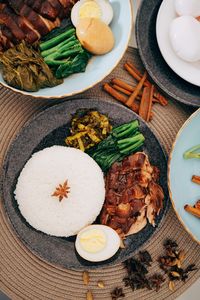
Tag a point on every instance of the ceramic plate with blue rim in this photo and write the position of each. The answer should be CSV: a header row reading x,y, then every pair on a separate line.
x,y
181,189
99,66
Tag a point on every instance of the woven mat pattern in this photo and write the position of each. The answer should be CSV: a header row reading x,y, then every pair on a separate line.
x,y
25,276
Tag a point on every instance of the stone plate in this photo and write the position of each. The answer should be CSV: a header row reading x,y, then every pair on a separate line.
x,y
50,128
168,81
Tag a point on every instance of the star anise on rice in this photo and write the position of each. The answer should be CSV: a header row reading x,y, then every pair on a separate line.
x,y
62,191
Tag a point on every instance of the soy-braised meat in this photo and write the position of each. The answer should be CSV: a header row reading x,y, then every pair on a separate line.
x,y
133,195
30,19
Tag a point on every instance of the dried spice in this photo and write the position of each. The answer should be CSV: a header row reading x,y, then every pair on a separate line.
x,y
86,278
145,257
101,284
89,296
155,281
137,271
171,263
117,293
62,191
24,69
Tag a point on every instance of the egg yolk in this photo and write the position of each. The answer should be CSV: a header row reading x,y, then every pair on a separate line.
x,y
90,9
93,240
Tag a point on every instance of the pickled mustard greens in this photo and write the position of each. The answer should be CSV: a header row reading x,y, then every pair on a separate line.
x,y
88,128
24,68
64,54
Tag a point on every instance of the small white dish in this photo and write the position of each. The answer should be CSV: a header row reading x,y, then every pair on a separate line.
x,y
99,66
186,70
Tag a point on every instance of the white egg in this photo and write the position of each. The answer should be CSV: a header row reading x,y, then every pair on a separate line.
x,y
97,243
100,9
187,7
184,35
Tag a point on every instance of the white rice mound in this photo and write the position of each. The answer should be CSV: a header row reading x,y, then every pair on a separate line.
x,y
43,172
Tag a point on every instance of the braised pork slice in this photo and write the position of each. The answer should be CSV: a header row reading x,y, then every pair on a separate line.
x,y
133,195
30,19
44,8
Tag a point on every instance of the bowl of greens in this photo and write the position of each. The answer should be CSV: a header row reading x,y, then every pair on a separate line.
x,y
55,51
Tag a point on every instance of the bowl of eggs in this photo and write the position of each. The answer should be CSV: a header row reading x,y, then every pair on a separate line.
x,y
70,60
178,37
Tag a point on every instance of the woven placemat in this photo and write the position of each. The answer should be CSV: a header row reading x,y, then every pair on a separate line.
x,y
25,276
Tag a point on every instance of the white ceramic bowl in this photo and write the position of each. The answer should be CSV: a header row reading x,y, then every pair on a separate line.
x,y
188,71
98,67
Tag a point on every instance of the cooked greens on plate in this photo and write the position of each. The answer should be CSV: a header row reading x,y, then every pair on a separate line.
x,y
65,49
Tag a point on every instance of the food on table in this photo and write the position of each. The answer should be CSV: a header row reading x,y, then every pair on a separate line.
x,y
99,9
97,243
64,54
138,277
192,152
45,22
188,154
196,179
117,293
86,277
60,190
139,98
172,263
95,36
187,7
88,128
23,68
29,20
122,141
89,295
185,28
194,210
133,195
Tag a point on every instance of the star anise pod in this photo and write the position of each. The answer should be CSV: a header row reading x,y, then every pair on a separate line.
x,y
62,191
145,257
156,281
117,293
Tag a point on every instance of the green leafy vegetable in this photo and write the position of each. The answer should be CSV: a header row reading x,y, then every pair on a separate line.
x,y
64,54
123,141
66,23
25,69
57,39
192,152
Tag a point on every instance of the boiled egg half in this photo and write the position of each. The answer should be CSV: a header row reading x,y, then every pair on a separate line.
x,y
184,35
187,7
97,243
100,9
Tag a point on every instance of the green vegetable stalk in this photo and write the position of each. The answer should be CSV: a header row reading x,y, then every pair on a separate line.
x,y
192,152
57,39
123,141
64,54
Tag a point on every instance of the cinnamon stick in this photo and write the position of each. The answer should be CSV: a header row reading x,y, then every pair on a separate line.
x,y
133,73
138,88
121,89
192,210
123,84
110,90
137,75
161,99
146,103
196,179
125,88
